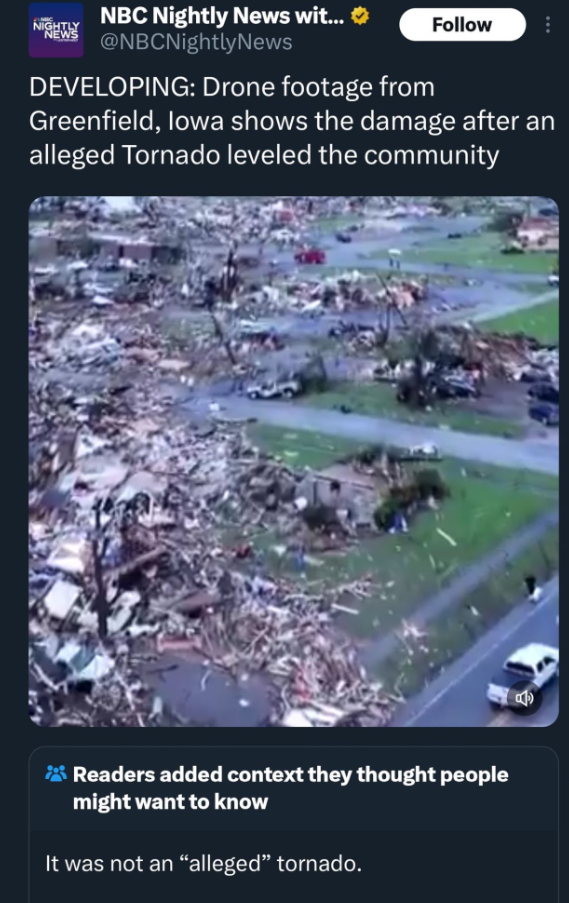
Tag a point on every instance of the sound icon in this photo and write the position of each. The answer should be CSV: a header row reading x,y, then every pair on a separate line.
x,y
525,698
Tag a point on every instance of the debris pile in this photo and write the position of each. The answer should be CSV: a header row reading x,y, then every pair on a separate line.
x,y
130,555
320,679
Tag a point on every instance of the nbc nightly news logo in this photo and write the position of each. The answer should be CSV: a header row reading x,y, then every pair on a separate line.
x,y
56,29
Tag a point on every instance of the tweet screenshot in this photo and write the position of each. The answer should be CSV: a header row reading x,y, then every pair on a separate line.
x,y
293,448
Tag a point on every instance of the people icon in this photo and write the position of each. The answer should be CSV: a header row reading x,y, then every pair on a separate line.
x,y
56,773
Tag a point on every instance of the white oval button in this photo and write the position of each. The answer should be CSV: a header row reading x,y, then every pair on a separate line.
x,y
460,24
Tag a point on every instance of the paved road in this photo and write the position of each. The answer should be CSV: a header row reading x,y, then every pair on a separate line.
x,y
495,308
468,579
530,454
458,697
357,256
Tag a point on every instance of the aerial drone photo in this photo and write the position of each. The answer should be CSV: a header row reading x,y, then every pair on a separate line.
x,y
293,461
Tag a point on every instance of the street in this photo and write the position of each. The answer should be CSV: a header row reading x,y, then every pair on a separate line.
x,y
458,697
531,454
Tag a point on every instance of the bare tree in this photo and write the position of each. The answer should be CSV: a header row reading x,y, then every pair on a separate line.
x,y
200,281
417,388
99,546
211,289
390,311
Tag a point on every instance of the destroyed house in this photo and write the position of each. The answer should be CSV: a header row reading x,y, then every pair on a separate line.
x,y
340,487
94,244
125,247
539,233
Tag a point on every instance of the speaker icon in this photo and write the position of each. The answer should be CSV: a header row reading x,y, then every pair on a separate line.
x,y
526,699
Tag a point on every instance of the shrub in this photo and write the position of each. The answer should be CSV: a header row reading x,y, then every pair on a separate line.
x,y
384,513
404,495
425,484
429,483
368,454
323,518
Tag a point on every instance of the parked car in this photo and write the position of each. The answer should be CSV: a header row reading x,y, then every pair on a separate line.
x,y
553,279
343,237
260,332
386,373
277,389
425,452
456,387
533,664
530,374
310,255
544,392
545,413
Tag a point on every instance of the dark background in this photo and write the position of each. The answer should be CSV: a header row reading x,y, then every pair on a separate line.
x,y
442,866
524,77
521,803
458,840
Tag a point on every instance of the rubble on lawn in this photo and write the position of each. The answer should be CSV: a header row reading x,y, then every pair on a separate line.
x,y
506,356
296,643
134,511
351,290
467,350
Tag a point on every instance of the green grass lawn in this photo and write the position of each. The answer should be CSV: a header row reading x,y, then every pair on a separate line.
x,y
487,505
541,322
378,400
482,251
307,448
301,448
418,662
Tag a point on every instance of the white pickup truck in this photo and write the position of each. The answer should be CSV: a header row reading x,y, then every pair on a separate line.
x,y
535,664
278,389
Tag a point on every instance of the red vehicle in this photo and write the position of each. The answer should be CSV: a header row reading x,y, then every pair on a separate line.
x,y
310,255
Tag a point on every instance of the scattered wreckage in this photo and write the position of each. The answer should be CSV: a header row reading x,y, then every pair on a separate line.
x,y
130,562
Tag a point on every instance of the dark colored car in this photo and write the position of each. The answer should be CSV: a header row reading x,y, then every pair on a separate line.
x,y
533,375
545,392
452,387
344,237
549,211
548,414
